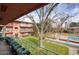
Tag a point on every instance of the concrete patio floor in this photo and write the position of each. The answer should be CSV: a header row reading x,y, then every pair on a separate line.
x,y
4,48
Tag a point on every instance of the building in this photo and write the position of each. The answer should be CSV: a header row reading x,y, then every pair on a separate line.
x,y
1,30
18,29
74,30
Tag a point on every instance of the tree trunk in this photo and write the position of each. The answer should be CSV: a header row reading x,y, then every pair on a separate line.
x,y
60,33
40,40
54,35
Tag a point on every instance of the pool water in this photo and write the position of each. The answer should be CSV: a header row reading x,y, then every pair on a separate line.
x,y
73,38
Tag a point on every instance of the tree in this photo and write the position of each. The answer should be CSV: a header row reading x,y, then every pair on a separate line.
x,y
48,27
60,18
43,14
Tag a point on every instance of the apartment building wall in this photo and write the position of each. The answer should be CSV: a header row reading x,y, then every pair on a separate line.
x,y
1,30
18,29
75,30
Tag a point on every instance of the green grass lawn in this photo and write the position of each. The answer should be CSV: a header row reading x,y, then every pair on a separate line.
x,y
31,43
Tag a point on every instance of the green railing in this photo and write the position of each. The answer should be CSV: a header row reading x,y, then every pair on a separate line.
x,y
35,50
31,44
14,46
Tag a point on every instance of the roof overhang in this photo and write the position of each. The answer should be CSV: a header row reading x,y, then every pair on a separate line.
x,y
11,11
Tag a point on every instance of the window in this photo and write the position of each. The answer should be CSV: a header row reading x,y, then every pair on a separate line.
x,y
16,27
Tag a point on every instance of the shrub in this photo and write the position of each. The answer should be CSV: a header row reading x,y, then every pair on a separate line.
x,y
78,52
45,36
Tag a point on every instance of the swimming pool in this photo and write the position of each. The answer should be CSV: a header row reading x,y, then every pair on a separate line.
x,y
73,38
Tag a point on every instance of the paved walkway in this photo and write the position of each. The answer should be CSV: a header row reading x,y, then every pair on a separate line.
x,y
72,50
4,49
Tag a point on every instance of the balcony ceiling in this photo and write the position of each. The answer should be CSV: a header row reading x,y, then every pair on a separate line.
x,y
11,11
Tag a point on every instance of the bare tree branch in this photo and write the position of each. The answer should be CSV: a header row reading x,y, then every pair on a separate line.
x,y
49,24
32,19
38,14
51,8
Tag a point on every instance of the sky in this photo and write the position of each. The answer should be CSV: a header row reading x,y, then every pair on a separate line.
x,y
70,8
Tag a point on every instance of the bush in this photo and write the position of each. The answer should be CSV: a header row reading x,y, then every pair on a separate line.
x,y
45,36
65,31
78,52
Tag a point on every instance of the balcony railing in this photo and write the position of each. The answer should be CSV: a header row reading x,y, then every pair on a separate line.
x,y
26,25
8,31
26,30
